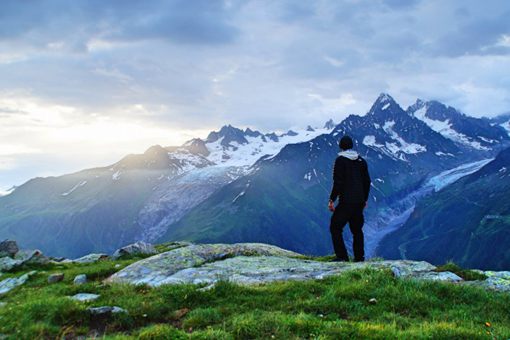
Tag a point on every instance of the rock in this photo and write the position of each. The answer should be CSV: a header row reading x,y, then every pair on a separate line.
x,y
8,248
57,277
373,301
439,276
10,283
254,263
80,279
6,264
57,259
206,288
499,281
90,258
32,257
103,310
84,297
138,248
23,257
406,268
246,263
159,269
117,265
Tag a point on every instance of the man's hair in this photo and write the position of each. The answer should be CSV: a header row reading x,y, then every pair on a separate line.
x,y
345,143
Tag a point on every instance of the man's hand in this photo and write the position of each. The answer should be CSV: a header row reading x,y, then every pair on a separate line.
x,y
331,206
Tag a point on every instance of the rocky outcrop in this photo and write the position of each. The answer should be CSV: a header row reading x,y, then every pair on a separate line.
x,y
253,263
22,257
8,248
138,248
90,258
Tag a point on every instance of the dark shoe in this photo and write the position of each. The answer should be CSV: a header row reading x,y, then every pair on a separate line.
x,y
359,260
337,259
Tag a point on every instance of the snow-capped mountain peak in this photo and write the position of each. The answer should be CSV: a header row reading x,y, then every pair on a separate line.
x,y
470,132
383,104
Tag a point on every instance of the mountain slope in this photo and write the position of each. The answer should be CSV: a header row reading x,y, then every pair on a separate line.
x,y
467,222
283,200
134,199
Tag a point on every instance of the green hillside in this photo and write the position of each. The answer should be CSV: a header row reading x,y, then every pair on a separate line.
x,y
367,303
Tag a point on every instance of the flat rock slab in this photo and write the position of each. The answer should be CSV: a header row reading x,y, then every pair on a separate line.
x,y
499,281
160,267
105,310
257,263
248,263
13,282
84,297
90,258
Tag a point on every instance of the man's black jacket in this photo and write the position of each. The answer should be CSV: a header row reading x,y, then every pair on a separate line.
x,y
351,180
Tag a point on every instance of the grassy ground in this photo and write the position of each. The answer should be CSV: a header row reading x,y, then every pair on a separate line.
x,y
337,307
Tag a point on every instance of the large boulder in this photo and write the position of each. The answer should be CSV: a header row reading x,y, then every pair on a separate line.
x,y
255,263
138,248
158,269
6,264
32,256
8,248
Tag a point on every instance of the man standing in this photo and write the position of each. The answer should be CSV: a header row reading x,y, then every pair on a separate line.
x,y
351,184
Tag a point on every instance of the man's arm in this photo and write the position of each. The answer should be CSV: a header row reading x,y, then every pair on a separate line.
x,y
335,190
366,180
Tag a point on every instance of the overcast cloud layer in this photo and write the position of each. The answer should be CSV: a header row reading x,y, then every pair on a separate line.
x,y
84,82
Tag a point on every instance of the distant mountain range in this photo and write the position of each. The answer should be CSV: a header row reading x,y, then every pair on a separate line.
x,y
243,185
467,222
136,198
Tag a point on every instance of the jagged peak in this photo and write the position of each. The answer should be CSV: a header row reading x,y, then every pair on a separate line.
x,y
252,133
229,132
155,149
309,128
383,102
329,125
384,98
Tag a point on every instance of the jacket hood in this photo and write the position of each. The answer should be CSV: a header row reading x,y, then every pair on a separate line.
x,y
351,154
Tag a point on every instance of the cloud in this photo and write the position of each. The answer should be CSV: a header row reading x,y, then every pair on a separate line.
x,y
175,65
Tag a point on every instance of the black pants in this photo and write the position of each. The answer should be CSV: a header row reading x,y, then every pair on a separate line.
x,y
352,214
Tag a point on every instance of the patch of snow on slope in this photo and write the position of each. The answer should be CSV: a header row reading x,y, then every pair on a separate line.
x,y
409,148
82,183
8,191
506,126
370,141
445,129
440,153
116,175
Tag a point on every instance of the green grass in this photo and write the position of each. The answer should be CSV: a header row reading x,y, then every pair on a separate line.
x,y
466,274
333,308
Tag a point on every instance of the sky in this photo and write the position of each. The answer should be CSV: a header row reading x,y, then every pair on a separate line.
x,y
83,83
